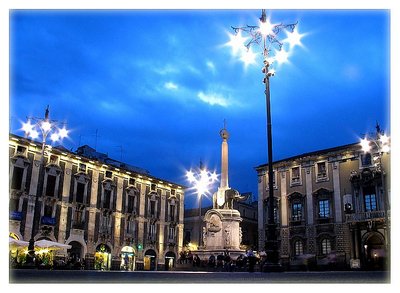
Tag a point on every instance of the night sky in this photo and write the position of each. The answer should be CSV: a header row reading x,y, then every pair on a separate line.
x,y
156,85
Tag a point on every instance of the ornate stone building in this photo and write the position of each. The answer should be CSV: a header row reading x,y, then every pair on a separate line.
x,y
332,208
115,216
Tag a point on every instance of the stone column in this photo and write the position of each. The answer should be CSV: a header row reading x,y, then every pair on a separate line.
x,y
336,193
118,215
93,211
64,203
161,235
261,215
33,189
309,196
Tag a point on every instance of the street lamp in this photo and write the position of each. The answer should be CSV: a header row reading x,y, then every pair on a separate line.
x,y
378,146
202,180
47,128
266,36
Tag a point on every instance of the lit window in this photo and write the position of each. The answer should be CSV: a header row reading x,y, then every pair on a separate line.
x,y
324,210
297,211
325,246
321,170
295,172
298,248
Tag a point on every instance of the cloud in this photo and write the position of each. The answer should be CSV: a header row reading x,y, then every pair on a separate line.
x,y
213,99
211,66
170,86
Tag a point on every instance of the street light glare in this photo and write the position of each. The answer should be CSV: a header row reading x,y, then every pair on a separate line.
x,y
27,127
384,139
34,134
46,126
54,137
266,28
236,42
365,145
282,56
294,38
248,57
190,176
63,133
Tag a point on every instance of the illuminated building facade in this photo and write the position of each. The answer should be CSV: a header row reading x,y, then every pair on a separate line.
x,y
332,208
114,216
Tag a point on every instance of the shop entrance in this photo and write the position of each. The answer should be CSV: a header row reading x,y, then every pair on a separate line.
x,y
127,258
149,260
169,260
102,257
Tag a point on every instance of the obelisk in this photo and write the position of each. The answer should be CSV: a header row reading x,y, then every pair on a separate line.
x,y
224,185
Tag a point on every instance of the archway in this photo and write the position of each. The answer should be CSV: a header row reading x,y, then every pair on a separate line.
x,y
127,258
149,260
170,258
102,257
76,251
374,251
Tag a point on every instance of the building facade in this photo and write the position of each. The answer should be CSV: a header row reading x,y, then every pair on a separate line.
x,y
114,216
332,208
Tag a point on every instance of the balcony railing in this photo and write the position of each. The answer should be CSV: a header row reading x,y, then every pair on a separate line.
x,y
365,216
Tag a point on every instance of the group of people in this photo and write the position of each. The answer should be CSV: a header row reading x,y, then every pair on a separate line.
x,y
247,261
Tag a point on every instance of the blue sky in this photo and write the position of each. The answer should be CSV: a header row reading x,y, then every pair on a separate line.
x,y
160,83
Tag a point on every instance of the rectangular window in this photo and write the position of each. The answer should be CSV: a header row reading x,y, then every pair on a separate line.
x,y
131,203
16,182
325,246
321,170
107,199
298,248
108,174
130,228
80,191
171,234
296,175
370,202
152,207
51,185
324,211
171,213
366,160
297,212
21,150
82,167
78,221
48,211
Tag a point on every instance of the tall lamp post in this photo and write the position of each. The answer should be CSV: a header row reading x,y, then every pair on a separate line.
x,y
378,146
46,128
202,180
266,36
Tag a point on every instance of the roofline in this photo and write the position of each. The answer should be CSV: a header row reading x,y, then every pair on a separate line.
x,y
309,154
30,141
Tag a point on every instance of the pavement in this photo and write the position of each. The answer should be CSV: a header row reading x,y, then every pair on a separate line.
x,y
30,276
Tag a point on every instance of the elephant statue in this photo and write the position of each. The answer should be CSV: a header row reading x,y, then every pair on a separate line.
x,y
232,195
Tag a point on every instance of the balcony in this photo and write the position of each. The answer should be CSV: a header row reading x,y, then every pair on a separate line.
x,y
365,216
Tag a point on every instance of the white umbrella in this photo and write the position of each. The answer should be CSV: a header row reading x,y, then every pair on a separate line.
x,y
17,243
51,245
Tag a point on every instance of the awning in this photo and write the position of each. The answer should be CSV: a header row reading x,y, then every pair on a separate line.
x,y
51,245
14,243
